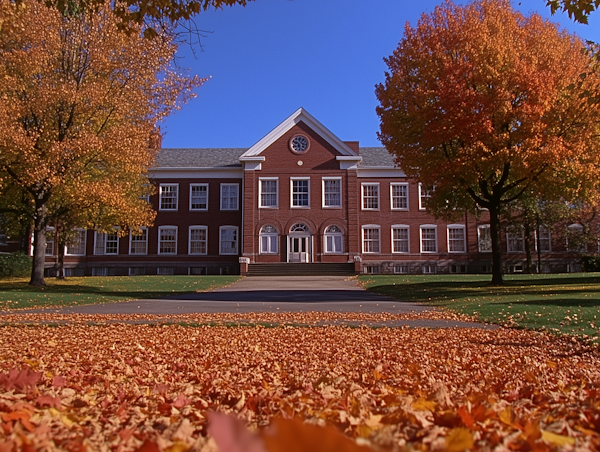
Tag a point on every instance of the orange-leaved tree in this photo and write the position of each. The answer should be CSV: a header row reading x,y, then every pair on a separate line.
x,y
486,104
78,103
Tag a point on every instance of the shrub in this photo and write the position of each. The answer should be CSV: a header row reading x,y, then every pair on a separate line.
x,y
15,264
591,263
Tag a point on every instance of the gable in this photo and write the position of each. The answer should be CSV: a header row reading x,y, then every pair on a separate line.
x,y
297,117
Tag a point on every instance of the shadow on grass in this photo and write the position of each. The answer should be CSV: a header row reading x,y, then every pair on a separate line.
x,y
572,291
78,289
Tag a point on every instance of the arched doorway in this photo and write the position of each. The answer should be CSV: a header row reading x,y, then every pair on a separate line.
x,y
299,243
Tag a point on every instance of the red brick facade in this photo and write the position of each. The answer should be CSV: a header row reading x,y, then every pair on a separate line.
x,y
312,199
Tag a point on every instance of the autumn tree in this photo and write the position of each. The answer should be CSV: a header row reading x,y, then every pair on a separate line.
x,y
486,105
578,10
78,103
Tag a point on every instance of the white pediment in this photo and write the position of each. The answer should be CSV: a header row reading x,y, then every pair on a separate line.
x,y
298,116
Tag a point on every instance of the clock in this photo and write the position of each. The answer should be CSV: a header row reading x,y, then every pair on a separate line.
x,y
299,144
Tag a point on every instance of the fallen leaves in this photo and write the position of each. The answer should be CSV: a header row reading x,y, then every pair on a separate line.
x,y
173,388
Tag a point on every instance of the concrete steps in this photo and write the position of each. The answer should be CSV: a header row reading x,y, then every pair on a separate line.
x,y
297,269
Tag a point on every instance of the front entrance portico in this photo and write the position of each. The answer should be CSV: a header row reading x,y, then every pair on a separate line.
x,y
299,243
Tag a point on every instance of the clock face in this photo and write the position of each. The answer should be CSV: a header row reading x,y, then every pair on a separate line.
x,y
299,143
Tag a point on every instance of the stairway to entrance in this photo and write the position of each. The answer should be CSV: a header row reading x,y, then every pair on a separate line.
x,y
301,269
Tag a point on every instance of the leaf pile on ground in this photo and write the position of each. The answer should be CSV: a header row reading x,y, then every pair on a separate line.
x,y
275,318
140,387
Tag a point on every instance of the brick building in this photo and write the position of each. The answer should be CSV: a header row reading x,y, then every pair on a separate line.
x,y
299,195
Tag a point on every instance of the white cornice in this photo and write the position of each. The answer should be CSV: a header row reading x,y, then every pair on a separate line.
x,y
195,172
299,115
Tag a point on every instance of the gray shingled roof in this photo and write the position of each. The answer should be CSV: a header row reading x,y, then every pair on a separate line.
x,y
200,158
229,158
378,157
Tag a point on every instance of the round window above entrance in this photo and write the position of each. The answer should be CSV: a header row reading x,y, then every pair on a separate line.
x,y
299,144
300,227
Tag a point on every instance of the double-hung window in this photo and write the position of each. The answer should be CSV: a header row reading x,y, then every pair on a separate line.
x,y
198,240
484,238
50,235
332,192
456,238
428,238
400,238
268,195
228,240
424,195
300,192
167,240
168,196
106,243
544,240
399,196
138,241
371,239
198,196
370,196
576,240
76,245
229,196
515,242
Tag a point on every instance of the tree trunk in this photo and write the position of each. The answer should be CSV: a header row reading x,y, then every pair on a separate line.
x,y
497,279
60,270
39,247
539,244
527,244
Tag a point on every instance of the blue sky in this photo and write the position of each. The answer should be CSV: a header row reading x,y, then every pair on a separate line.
x,y
273,56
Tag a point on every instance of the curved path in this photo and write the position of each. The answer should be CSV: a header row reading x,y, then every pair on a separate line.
x,y
339,294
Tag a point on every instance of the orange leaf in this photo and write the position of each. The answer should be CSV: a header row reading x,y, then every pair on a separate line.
x,y
293,435
458,440
465,416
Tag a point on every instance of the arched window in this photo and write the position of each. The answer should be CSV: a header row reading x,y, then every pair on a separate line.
x,y
300,227
269,238
334,240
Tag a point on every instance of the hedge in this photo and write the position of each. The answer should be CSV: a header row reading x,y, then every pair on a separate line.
x,y
15,264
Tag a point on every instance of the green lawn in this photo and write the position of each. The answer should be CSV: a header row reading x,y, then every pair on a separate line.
x,y
16,293
567,303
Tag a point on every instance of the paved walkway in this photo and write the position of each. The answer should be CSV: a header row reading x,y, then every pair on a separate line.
x,y
270,294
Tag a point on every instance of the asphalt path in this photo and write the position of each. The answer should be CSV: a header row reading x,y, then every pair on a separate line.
x,y
270,294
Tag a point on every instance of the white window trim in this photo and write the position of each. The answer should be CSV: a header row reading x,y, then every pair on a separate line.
x,y
130,243
428,226
515,230
535,237
237,241
84,244
479,227
237,199
105,253
332,234
160,207
49,229
325,206
262,234
362,196
395,184
160,228
421,206
292,179
370,226
190,229
464,229
260,179
196,209
400,226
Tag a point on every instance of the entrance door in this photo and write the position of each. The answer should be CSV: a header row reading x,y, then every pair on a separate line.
x,y
298,248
